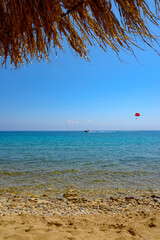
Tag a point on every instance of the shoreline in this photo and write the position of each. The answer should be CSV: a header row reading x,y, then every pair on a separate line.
x,y
73,217
71,203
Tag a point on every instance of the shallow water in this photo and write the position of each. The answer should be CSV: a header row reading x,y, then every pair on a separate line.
x,y
93,163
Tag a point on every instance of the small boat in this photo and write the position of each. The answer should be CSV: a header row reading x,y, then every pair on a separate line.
x,y
87,130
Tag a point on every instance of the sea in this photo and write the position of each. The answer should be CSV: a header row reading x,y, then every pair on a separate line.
x,y
95,163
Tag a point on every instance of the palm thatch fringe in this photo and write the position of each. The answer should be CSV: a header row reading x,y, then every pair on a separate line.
x,y
30,29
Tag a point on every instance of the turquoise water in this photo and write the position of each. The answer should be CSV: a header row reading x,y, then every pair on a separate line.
x,y
96,162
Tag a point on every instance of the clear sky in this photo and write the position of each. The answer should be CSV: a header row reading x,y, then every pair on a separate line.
x,y
73,94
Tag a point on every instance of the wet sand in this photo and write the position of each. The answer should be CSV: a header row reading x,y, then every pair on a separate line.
x,y
73,217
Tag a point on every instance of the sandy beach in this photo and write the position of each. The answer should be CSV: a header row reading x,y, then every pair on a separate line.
x,y
73,217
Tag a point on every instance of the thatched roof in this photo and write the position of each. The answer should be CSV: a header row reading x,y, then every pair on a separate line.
x,y
30,29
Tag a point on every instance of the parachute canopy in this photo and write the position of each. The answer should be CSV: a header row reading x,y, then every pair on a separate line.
x,y
137,114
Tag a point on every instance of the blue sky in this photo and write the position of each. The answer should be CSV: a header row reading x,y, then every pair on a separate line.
x,y
73,94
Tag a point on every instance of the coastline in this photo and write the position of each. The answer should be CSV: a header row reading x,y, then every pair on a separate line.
x,y
74,217
80,187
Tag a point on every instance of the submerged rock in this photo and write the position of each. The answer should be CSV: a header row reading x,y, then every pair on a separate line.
x,y
128,198
70,193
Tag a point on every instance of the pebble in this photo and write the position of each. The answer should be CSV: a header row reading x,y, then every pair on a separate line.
x,y
71,204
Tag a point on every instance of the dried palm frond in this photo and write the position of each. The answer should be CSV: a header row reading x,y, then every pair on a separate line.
x,y
30,29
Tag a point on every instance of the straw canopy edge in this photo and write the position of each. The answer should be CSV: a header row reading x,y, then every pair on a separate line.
x,y
31,29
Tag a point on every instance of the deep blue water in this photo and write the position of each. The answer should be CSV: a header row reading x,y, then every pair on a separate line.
x,y
98,161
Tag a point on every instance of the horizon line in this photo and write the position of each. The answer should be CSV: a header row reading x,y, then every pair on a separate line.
x,y
127,130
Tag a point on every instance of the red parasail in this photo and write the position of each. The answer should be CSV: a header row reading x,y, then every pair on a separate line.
x,y
137,114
